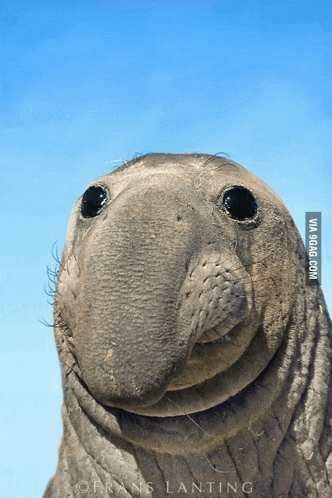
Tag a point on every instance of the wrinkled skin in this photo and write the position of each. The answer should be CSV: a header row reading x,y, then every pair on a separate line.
x,y
192,347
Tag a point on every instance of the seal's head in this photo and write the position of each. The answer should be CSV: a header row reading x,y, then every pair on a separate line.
x,y
176,283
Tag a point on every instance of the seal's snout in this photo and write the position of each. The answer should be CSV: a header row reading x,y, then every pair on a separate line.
x,y
134,267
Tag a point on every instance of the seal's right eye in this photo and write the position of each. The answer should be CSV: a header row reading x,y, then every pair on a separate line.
x,y
93,201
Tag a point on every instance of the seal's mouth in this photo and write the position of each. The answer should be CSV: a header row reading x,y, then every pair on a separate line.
x,y
216,370
210,376
214,335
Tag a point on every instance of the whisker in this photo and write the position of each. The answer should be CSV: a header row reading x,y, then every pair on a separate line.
x,y
220,471
189,417
44,322
55,254
213,157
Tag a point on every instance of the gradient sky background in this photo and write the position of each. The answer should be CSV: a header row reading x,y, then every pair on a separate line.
x,y
88,82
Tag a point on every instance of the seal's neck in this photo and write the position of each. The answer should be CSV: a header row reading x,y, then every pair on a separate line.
x,y
262,458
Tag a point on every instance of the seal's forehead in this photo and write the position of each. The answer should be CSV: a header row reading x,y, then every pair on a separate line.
x,y
207,173
194,161
186,166
191,169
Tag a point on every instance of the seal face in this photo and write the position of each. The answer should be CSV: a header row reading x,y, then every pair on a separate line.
x,y
167,261
183,318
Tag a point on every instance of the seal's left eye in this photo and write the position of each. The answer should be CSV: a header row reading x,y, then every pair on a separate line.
x,y
93,201
239,203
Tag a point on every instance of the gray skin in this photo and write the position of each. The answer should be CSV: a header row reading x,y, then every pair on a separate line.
x,y
195,356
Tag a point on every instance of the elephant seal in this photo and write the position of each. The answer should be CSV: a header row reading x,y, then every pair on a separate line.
x,y
195,356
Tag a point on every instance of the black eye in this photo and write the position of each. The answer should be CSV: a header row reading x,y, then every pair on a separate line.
x,y
93,201
239,203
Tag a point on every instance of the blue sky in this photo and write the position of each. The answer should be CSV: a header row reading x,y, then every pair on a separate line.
x,y
85,83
